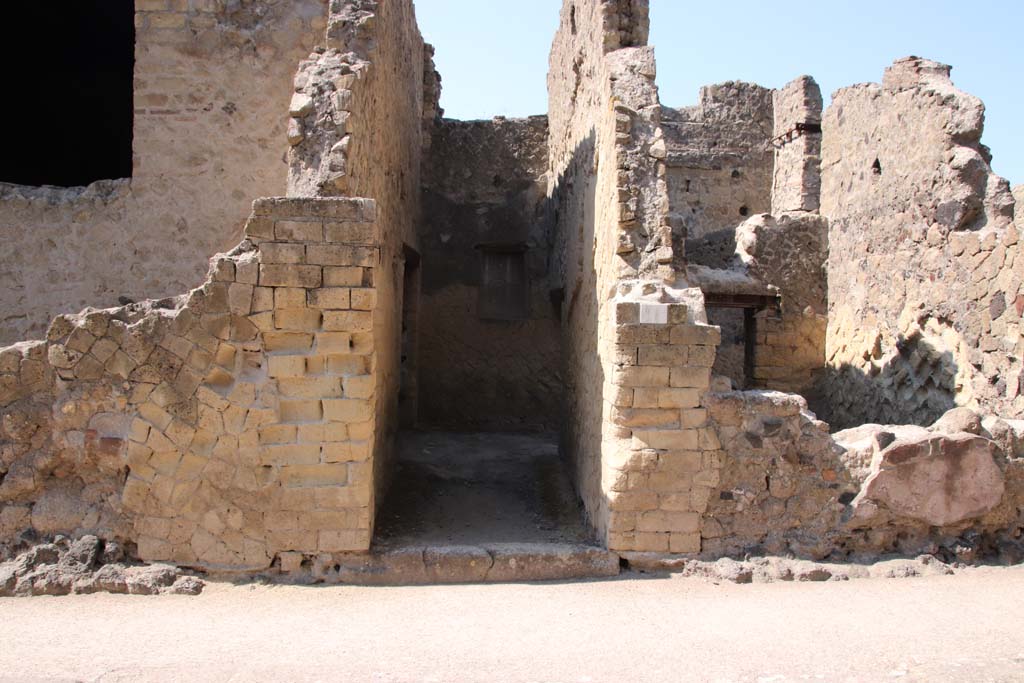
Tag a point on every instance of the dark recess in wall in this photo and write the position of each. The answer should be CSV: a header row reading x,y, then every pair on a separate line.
x,y
68,70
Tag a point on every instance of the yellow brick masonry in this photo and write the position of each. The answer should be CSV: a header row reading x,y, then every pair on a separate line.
x,y
249,405
662,460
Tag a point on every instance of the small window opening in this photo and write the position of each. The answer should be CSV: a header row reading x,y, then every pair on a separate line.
x,y
735,174
71,121
504,285
876,167
744,211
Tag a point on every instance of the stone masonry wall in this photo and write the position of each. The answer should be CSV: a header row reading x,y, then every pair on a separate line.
x,y
485,184
661,455
249,421
357,118
223,428
789,252
925,281
719,172
639,459
212,79
796,183
582,187
783,484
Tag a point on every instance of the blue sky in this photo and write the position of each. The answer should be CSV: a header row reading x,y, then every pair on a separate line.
x,y
492,54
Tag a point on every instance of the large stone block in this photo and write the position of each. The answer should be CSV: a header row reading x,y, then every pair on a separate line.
x,y
308,476
935,479
343,255
289,275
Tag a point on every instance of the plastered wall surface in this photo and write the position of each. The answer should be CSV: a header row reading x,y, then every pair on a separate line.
x,y
485,187
212,80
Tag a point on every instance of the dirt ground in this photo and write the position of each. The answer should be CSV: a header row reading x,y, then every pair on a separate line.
x,y
966,627
479,488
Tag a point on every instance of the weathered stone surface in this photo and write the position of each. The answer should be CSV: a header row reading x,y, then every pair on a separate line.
x,y
772,569
500,563
247,424
67,567
939,480
939,334
194,173
958,420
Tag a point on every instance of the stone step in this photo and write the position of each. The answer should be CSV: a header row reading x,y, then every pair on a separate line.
x,y
491,563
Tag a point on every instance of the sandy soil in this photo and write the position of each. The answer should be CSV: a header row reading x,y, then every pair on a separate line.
x,y
966,627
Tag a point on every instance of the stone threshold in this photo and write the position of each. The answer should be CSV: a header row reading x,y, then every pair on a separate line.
x,y
452,564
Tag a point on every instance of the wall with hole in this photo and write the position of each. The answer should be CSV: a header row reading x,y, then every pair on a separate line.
x,y
925,288
719,170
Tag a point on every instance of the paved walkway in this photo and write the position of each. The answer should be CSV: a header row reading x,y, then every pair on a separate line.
x,y
968,627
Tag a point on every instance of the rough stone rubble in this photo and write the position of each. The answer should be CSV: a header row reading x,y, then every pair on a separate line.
x,y
683,268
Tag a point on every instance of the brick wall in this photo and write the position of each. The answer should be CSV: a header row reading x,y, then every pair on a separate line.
x,y
661,454
226,427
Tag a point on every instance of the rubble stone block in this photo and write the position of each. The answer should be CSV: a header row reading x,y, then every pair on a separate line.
x,y
666,356
351,232
282,252
301,411
937,479
331,298
348,321
348,410
290,454
700,335
287,366
339,255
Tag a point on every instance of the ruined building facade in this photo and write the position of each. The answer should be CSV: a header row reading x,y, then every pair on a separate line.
x,y
669,289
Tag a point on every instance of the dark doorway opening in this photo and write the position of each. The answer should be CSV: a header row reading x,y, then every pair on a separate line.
x,y
68,71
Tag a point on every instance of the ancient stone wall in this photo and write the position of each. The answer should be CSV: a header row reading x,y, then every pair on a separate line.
x,y
782,478
718,176
484,195
583,181
249,421
211,84
789,252
789,487
924,273
226,427
661,456
638,350
796,183
357,119
719,170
